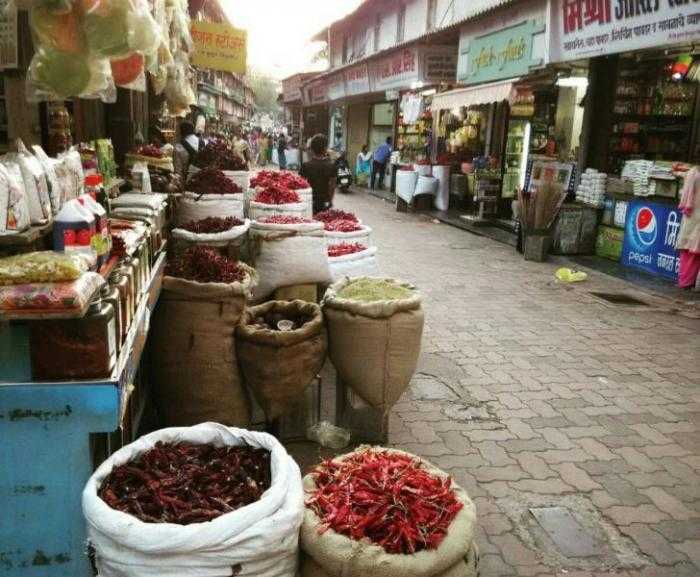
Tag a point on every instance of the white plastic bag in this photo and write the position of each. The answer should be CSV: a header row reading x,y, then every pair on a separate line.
x,y
237,233
260,539
442,198
426,185
287,255
259,210
423,169
198,207
363,263
14,211
406,184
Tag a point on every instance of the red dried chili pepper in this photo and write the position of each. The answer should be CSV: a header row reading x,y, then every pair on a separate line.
x,y
334,214
284,178
285,219
276,194
185,483
220,154
205,264
385,497
212,181
343,248
342,225
212,224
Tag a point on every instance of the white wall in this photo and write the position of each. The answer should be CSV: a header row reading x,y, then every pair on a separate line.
x,y
416,19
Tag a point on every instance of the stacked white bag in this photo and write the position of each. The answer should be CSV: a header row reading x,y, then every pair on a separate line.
x,y
362,263
591,190
193,207
406,181
260,539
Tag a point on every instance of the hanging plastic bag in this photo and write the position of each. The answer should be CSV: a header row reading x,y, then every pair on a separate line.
x,y
568,276
129,72
106,25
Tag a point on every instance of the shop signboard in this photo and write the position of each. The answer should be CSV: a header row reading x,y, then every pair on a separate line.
x,y
357,80
291,88
8,37
587,28
398,70
651,231
219,47
440,65
316,92
499,55
336,87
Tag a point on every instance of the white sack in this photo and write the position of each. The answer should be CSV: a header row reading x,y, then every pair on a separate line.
x,y
261,538
363,236
221,205
241,178
406,184
213,238
14,212
260,210
287,255
423,169
442,198
426,185
363,263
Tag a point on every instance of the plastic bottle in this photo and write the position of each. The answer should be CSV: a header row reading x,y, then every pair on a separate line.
x,y
73,230
102,240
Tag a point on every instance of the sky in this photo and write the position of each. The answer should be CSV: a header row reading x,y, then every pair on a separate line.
x,y
279,30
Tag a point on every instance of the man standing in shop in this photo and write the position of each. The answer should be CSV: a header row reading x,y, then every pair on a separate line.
x,y
379,160
320,172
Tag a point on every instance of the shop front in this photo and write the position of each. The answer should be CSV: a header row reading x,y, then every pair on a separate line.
x,y
641,120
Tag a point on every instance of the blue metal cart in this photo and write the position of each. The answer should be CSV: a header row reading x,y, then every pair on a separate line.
x,y
45,448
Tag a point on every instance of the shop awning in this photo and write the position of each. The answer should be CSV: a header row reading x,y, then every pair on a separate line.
x,y
483,94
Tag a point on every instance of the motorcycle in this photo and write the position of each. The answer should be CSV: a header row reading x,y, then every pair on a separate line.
x,y
343,175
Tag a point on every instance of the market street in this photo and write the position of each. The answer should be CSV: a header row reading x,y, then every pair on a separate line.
x,y
533,393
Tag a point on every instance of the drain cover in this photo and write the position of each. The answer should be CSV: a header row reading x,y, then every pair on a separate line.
x,y
569,537
620,299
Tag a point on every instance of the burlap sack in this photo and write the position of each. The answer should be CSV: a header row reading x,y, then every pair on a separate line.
x,y
195,368
278,365
330,554
374,346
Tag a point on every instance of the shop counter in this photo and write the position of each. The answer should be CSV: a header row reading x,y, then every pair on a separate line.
x,y
46,453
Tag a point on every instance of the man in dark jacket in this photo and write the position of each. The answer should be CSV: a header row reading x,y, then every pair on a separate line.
x,y
320,172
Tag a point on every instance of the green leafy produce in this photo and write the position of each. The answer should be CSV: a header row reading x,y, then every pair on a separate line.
x,y
374,289
62,73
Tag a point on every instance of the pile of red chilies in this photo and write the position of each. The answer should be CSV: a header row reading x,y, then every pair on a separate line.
x,y
343,248
185,483
212,224
285,219
212,181
150,150
385,497
219,154
283,178
204,264
334,214
342,225
276,194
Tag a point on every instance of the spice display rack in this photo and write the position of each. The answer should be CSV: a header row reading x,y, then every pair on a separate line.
x,y
45,453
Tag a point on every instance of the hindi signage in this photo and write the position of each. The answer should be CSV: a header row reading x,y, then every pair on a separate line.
x,y
499,55
357,80
316,92
398,70
336,87
219,47
440,65
291,88
651,231
586,28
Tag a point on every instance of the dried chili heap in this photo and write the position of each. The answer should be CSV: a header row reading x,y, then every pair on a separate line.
x,y
185,483
150,150
212,224
219,154
277,194
343,248
205,264
283,178
212,181
385,497
285,219
342,225
334,214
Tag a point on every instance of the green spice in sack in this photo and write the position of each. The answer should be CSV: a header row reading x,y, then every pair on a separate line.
x,y
370,290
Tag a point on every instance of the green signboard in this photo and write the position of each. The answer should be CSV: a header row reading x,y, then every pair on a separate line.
x,y
500,55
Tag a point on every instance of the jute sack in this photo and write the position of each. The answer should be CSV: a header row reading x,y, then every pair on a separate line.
x,y
278,365
235,235
198,207
260,210
374,346
330,554
195,368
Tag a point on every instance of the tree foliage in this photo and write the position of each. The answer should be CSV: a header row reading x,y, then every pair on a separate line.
x,y
266,90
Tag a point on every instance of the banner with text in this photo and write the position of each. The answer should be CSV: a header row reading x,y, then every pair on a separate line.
x,y
219,47
587,28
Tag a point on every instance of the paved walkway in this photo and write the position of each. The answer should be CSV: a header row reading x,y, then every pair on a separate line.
x,y
537,394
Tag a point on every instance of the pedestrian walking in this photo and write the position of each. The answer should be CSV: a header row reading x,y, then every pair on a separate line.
x,y
363,166
689,237
320,172
379,161
281,151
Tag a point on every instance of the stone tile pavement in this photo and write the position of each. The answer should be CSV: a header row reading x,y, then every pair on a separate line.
x,y
533,393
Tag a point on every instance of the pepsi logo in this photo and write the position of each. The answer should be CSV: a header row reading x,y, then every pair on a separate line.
x,y
645,226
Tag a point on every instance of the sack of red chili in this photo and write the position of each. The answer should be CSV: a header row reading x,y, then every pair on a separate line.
x,y
379,325
278,363
213,231
347,231
195,376
287,255
386,513
352,263
259,538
